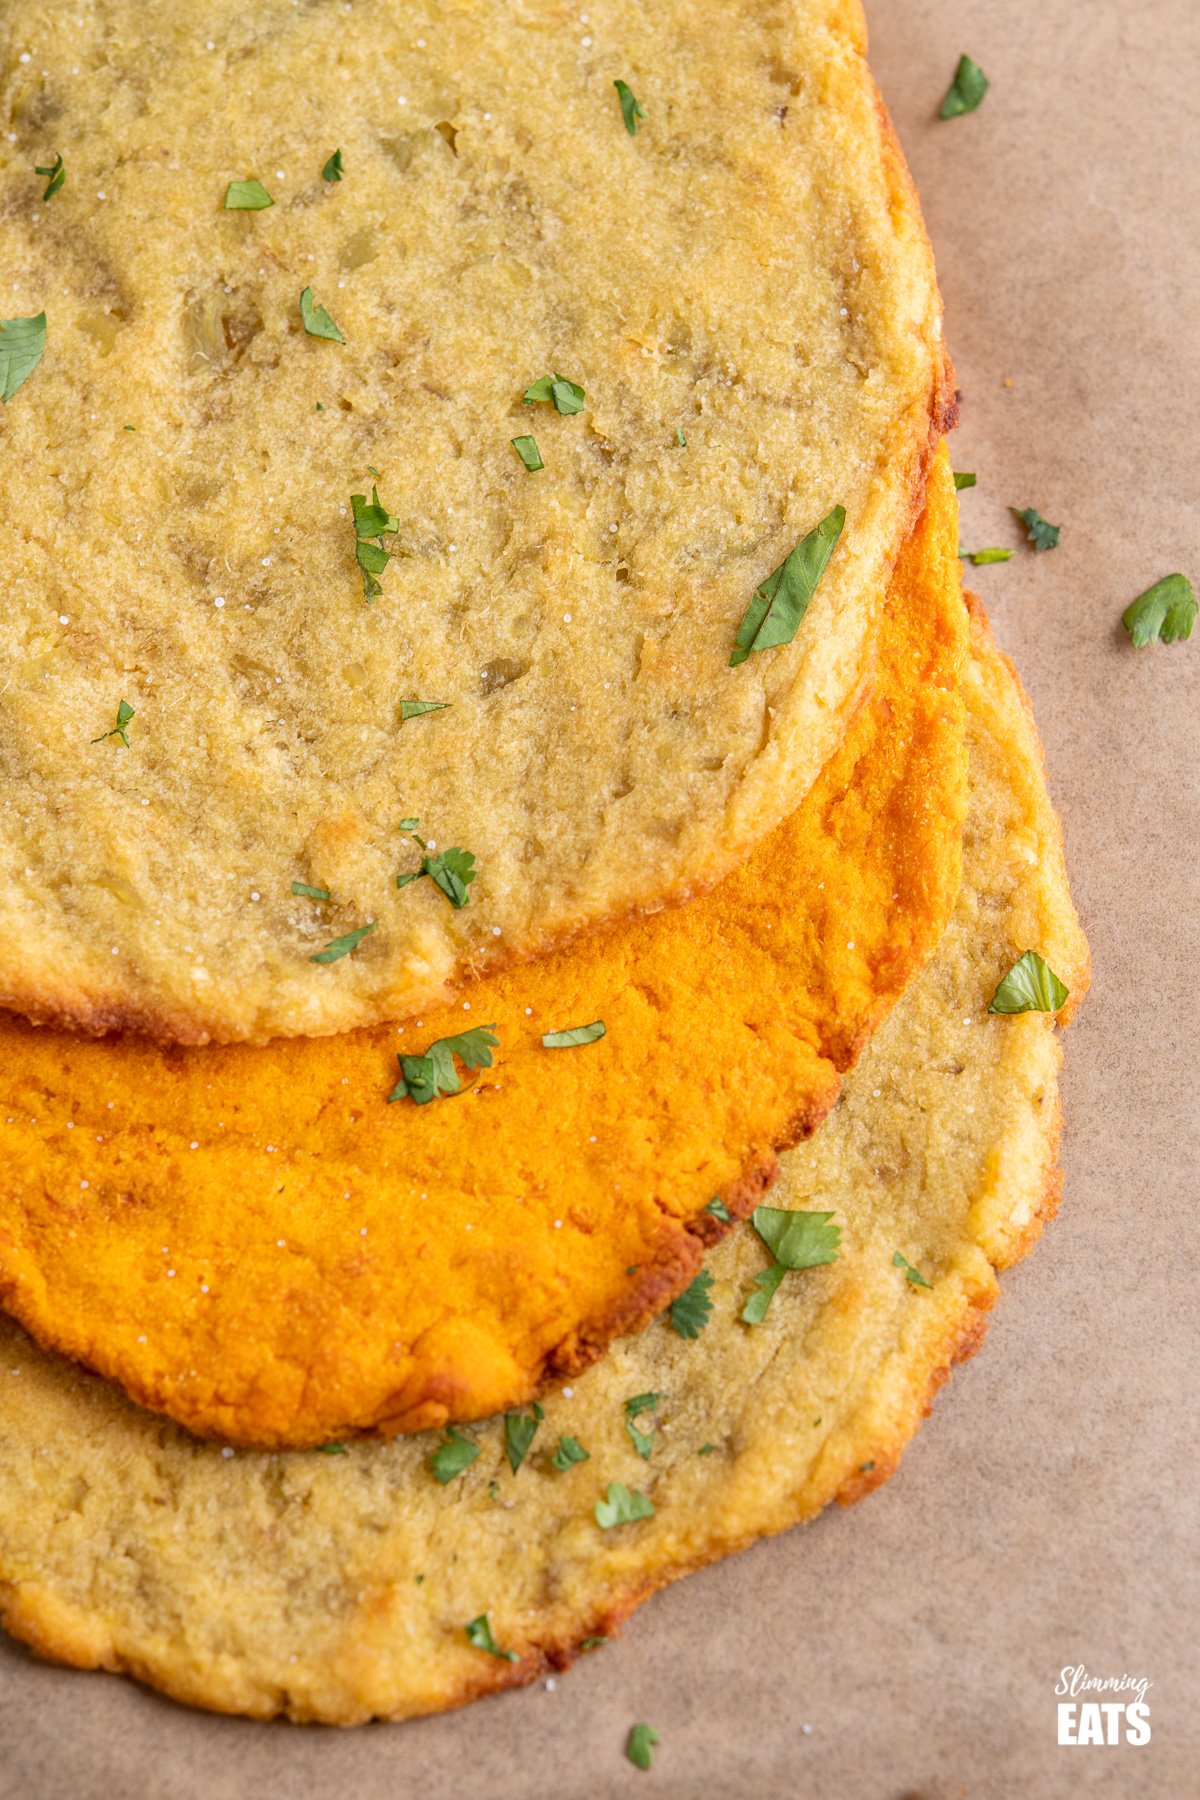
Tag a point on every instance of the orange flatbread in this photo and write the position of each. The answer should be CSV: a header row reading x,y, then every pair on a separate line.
x,y
253,1241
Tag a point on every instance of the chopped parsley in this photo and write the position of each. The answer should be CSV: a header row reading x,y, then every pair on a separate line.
x,y
307,892
774,614
479,1633
621,1506
590,1643
371,522
679,437
797,1240
1165,613
640,1748
342,946
631,109
451,871
706,1450
57,173
566,396
247,196
719,1210
22,342
573,1035
526,448
690,1311
1030,986
963,479
979,557
454,1454
1041,534
865,1468
317,321
912,1274
332,1450
428,1077
642,1441
520,1429
415,709
334,169
966,91
569,1452
124,714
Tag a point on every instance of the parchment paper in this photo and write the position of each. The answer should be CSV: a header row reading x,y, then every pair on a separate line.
x,y
1047,1514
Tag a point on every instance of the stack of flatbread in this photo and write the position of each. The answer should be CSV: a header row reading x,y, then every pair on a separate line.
x,y
533,930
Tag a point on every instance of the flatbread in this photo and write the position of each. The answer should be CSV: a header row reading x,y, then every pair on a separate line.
x,y
339,1587
254,1242
748,273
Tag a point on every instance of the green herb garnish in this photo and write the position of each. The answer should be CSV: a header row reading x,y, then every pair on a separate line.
x,y
590,1643
575,1034
247,196
774,614
980,557
479,1633
620,1506
415,709
520,1429
1041,534
966,91
451,871
317,321
57,173
124,714
22,342
569,1452
344,945
719,1210
429,1077
454,1454
526,448
372,521
1030,986
332,1450
642,1441
690,1310
679,438
797,1240
963,479
1166,612
567,396
912,1274
334,169
306,892
640,1748
631,109
706,1450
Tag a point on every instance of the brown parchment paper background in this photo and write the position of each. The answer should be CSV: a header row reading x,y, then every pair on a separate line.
x,y
1048,1512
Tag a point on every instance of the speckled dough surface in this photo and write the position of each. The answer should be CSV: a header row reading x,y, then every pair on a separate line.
x,y
748,273
254,1241
337,1587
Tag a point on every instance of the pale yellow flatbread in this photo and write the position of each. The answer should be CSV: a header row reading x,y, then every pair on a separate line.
x,y
747,274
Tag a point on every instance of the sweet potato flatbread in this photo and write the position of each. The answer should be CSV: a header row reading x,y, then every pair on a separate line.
x,y
337,1587
300,255
255,1242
